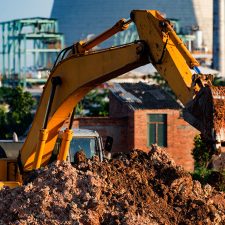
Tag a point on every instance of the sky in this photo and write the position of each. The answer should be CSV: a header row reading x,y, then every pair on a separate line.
x,y
16,9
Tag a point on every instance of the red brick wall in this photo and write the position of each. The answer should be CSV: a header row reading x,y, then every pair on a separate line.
x,y
117,108
106,126
180,135
130,132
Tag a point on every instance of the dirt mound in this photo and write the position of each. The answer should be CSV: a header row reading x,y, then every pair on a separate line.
x,y
134,188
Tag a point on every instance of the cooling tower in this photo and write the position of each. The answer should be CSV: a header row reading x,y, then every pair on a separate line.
x,y
218,36
80,18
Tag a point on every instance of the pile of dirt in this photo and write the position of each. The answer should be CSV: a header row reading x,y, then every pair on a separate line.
x,y
133,188
218,94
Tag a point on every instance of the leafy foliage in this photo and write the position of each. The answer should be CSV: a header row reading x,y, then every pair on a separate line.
x,y
95,103
201,153
202,156
15,111
218,81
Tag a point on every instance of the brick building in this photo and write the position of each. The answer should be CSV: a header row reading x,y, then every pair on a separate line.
x,y
142,114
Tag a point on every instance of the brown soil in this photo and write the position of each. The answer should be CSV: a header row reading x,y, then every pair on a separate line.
x,y
218,94
135,188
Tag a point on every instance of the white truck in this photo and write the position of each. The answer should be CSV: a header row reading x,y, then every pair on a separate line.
x,y
83,139
88,141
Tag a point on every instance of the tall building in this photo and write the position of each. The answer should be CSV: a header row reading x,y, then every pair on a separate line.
x,y
218,36
80,18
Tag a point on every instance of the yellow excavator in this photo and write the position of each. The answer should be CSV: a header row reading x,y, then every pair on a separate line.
x,y
78,69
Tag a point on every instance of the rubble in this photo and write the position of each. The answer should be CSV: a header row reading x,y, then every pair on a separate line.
x,y
218,94
132,188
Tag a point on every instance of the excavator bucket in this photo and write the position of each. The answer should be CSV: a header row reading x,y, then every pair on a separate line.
x,y
218,97
206,112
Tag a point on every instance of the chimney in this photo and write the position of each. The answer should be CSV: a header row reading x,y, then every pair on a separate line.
x,y
219,36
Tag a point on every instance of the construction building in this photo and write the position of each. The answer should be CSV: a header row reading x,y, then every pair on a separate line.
x,y
141,115
28,50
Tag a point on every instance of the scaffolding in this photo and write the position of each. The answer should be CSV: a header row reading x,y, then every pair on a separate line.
x,y
28,50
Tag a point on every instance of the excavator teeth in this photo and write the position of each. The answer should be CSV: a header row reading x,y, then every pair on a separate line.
x,y
206,112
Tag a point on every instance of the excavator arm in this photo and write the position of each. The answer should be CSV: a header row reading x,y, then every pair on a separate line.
x,y
203,102
167,52
78,75
82,70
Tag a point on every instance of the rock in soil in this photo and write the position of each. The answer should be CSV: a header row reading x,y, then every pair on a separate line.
x,y
130,189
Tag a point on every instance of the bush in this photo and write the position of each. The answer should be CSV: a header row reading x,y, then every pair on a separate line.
x,y
202,155
95,103
15,111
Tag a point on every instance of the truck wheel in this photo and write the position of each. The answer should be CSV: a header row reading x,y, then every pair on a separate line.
x,y
2,153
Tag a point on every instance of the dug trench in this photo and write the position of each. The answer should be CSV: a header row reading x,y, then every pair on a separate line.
x,y
132,188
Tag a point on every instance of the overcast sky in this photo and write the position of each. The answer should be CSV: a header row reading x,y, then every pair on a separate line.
x,y
16,9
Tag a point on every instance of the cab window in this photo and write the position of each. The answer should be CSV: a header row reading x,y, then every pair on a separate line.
x,y
88,145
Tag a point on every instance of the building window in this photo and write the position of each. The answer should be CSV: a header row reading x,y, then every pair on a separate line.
x,y
157,129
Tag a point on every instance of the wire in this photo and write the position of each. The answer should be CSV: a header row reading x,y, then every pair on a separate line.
x,y
197,70
62,52
66,52
163,52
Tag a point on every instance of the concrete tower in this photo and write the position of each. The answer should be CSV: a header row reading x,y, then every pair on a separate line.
x,y
218,36
79,18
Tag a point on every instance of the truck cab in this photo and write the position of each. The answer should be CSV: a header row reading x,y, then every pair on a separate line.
x,y
85,140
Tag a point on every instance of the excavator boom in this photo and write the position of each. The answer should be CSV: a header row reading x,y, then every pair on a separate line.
x,y
81,71
204,103
78,75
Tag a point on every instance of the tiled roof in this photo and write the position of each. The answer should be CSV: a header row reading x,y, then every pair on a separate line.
x,y
143,96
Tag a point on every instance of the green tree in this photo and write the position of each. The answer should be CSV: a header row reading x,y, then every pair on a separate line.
x,y
218,81
95,103
15,111
202,155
